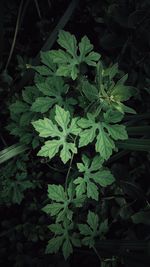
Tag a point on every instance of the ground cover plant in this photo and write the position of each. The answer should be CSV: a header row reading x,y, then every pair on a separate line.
x,y
77,182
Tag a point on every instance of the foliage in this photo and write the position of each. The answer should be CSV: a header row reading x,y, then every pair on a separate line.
x,y
69,131
75,117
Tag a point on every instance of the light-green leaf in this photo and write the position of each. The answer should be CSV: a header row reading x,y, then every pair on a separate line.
x,y
56,193
104,144
47,128
103,178
67,41
116,131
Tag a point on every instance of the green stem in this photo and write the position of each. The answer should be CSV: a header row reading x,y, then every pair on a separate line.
x,y
69,169
68,172
98,255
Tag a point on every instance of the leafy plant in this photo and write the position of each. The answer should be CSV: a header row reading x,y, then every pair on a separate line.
x,y
93,120
89,181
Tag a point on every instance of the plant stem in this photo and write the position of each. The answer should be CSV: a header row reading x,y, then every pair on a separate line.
x,y
69,169
98,255
68,172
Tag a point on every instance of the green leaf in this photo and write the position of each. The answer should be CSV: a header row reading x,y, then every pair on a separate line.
x,y
89,230
19,107
81,186
111,71
60,57
46,59
96,163
56,193
104,144
69,70
46,128
67,248
64,70
113,116
141,217
29,94
103,178
67,41
84,47
122,92
87,136
26,119
104,134
42,104
90,91
84,229
53,209
55,88
92,58
92,191
42,70
56,228
126,109
93,172
62,117
92,220
54,244
116,131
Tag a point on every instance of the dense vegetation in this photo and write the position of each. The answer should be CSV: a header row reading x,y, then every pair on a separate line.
x,y
74,183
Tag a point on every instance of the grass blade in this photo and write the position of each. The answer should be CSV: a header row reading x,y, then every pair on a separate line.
x,y
11,152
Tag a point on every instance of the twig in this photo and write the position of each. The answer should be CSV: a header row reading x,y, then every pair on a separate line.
x,y
38,9
15,35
